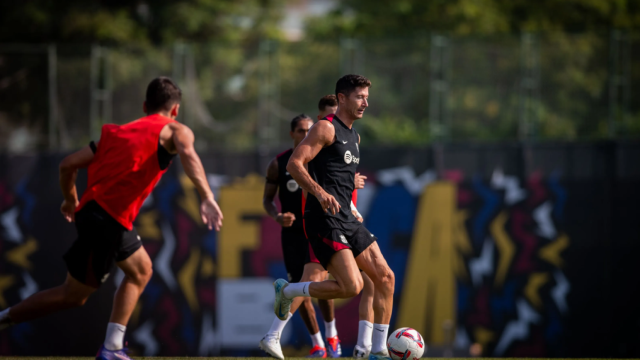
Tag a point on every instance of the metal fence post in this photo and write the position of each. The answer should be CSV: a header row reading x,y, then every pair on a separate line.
x,y
529,87
101,83
440,64
268,99
619,74
351,57
52,60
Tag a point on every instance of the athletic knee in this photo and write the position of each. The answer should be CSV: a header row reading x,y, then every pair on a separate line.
x,y
316,277
142,275
387,280
352,289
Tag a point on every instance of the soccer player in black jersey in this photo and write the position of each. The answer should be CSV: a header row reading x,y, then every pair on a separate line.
x,y
340,242
295,246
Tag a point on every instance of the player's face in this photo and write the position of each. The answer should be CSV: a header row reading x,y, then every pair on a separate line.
x,y
357,102
301,131
327,110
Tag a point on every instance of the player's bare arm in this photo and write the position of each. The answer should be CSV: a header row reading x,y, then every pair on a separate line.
x,y
178,138
270,190
321,134
68,173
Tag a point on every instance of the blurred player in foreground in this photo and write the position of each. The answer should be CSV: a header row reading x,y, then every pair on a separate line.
x,y
123,168
339,240
295,247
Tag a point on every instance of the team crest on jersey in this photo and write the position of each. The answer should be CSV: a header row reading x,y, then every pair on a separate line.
x,y
292,185
104,278
348,158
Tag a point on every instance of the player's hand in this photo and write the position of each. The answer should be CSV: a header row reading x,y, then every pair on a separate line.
x,y
68,209
328,203
286,219
359,181
211,214
357,215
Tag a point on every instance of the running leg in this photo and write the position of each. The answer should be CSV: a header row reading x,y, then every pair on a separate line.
x,y
375,266
365,325
137,270
68,295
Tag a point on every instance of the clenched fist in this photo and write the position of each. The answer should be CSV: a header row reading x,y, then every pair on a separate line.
x,y
286,219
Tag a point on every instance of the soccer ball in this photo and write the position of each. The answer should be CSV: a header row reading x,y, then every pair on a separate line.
x,y
406,344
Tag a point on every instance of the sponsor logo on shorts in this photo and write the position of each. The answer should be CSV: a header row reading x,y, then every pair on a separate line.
x,y
139,238
104,278
292,185
343,239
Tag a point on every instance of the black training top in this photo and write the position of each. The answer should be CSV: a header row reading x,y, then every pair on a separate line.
x,y
289,192
334,169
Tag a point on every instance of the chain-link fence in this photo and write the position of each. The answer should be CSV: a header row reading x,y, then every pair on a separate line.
x,y
426,88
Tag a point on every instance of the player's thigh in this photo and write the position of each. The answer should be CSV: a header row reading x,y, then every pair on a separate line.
x,y
137,265
343,268
74,289
313,272
372,263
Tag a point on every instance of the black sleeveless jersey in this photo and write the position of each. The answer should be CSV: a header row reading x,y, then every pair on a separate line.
x,y
289,192
334,169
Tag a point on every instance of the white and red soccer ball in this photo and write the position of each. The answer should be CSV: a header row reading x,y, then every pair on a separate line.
x,y
406,344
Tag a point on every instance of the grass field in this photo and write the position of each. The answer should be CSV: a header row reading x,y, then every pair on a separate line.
x,y
225,358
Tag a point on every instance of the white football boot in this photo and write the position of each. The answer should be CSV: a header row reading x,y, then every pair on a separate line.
x,y
270,343
360,352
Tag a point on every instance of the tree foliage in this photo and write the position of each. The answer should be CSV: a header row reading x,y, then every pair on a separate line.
x,y
141,22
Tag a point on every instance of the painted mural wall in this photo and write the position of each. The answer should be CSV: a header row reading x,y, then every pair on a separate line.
x,y
500,255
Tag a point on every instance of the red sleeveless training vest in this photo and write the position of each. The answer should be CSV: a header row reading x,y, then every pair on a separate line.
x,y
125,167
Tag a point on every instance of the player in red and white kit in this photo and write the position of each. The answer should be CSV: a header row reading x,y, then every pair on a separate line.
x,y
123,168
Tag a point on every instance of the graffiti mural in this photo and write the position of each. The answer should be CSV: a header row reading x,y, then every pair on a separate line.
x,y
479,260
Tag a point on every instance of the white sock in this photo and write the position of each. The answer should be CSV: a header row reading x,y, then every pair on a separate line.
x,y
330,329
316,339
379,338
297,289
365,332
115,336
5,321
278,325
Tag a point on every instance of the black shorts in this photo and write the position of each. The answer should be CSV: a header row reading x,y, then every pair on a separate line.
x,y
295,250
326,239
101,242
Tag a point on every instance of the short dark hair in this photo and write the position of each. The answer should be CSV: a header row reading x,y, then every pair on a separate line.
x,y
162,94
327,100
348,84
297,119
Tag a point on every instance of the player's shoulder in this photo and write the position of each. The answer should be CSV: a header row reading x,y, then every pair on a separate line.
x,y
324,125
175,127
329,117
285,153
